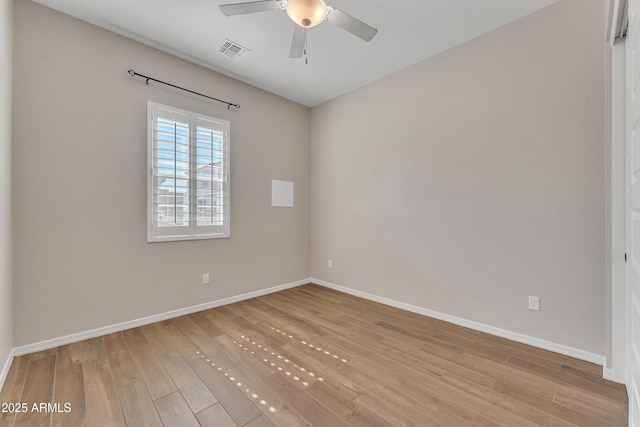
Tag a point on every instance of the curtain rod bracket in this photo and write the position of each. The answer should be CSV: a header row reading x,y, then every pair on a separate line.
x,y
132,73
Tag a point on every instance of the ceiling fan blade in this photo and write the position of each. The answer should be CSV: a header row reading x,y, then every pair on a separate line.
x,y
252,7
351,24
298,42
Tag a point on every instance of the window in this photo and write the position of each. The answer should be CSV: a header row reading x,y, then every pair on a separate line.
x,y
188,181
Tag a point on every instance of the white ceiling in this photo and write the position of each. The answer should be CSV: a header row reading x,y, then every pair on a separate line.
x,y
408,31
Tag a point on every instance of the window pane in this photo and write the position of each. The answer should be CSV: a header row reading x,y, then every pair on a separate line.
x,y
209,176
188,187
171,160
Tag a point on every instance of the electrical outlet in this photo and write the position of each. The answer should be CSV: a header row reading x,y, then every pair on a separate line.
x,y
205,279
329,263
534,303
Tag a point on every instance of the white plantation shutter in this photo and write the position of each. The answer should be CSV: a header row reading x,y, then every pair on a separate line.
x,y
188,185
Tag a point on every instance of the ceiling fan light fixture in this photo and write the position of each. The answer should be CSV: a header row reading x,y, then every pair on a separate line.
x,y
307,13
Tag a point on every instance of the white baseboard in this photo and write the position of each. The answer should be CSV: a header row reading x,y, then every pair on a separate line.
x,y
68,339
607,374
6,367
514,336
612,375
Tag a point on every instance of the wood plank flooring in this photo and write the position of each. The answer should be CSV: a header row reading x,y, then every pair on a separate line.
x,y
306,356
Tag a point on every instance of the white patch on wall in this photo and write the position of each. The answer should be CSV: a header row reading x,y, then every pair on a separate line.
x,y
282,194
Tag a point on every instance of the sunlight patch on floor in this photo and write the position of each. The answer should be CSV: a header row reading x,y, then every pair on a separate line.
x,y
238,383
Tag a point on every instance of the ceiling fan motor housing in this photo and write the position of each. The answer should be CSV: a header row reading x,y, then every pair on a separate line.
x,y
307,13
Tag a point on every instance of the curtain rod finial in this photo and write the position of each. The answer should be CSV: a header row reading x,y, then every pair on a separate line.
x,y
131,72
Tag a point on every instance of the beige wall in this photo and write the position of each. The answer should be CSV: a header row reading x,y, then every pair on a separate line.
x,y
474,179
81,257
6,341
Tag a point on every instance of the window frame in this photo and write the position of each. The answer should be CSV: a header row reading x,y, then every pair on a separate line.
x,y
192,231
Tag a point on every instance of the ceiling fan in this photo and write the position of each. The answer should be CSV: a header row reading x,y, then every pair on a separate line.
x,y
306,14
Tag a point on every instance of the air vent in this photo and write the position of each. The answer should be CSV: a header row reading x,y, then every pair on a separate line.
x,y
233,50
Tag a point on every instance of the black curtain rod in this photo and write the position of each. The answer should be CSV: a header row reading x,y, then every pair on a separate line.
x,y
229,104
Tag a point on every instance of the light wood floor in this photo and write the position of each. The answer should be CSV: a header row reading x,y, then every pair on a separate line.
x,y
308,356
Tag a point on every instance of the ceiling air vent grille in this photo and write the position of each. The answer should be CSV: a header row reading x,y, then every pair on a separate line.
x,y
233,50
